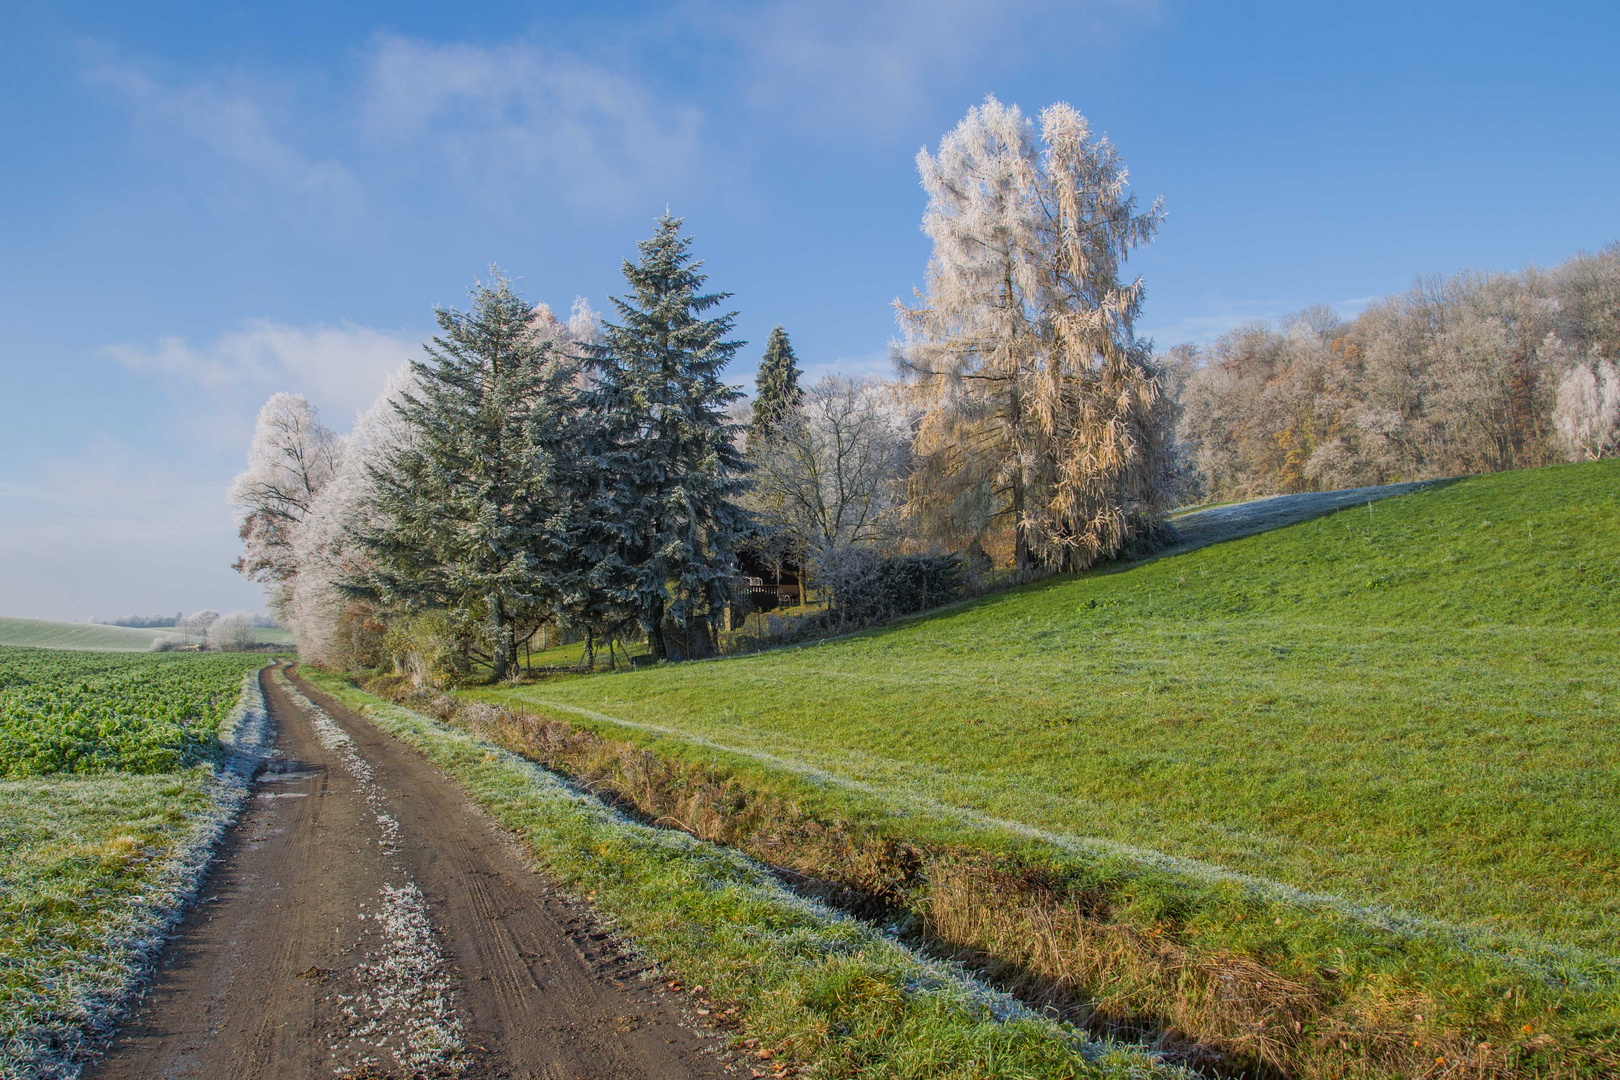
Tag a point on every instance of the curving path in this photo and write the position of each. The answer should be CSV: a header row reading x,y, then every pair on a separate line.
x,y
366,920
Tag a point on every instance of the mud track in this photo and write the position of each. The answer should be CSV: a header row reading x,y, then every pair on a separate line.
x,y
379,925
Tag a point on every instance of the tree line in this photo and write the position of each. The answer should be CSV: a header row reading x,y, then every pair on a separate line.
x,y
1471,373
597,476
600,477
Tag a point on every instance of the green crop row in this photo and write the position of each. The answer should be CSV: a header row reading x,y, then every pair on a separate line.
x,y
80,712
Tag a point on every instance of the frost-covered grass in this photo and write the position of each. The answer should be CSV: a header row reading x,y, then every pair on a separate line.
x,y
94,872
1390,733
822,989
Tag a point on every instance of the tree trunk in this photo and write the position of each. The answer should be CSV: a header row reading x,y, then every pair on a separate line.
x,y
655,633
1020,536
501,662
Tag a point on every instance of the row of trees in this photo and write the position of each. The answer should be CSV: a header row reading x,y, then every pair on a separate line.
x,y
1472,373
601,477
525,472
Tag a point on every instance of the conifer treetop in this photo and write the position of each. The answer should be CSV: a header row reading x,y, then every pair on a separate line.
x,y
778,386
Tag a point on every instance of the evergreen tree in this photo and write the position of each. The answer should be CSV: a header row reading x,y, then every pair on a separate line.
x,y
665,523
478,522
778,386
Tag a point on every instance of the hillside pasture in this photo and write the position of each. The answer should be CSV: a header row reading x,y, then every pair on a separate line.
x,y
83,637
1396,719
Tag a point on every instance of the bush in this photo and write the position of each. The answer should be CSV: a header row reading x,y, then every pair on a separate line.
x,y
867,587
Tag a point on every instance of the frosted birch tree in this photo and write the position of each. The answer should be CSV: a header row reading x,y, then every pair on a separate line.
x,y
291,458
1041,411
327,623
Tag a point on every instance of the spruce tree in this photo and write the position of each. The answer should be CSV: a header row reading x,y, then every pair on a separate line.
x,y
666,526
777,385
474,513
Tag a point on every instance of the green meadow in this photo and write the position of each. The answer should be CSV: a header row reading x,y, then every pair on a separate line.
x,y
1407,711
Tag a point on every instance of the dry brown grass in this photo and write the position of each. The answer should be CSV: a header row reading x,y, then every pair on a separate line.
x,y
1023,929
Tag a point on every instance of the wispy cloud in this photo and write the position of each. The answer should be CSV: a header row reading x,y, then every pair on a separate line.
x,y
341,368
503,116
877,63
230,120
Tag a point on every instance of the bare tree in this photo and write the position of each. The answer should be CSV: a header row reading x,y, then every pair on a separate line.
x,y
291,458
194,627
1587,413
829,473
231,633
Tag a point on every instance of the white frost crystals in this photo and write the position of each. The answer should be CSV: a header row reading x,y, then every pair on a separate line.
x,y
403,1009
92,992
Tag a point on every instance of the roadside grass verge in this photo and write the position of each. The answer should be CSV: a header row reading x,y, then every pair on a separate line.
x,y
823,991
94,873
1373,754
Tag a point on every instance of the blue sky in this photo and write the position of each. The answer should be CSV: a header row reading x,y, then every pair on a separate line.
x,y
202,204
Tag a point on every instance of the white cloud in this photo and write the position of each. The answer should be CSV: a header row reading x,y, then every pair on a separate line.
x,y
502,116
879,62
233,123
341,368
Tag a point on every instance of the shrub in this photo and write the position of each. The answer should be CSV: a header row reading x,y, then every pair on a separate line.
x,y
866,586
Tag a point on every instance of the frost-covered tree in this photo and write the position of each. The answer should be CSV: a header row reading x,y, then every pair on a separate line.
x,y
831,474
290,460
665,520
1469,373
471,523
778,395
329,625
1042,412
1587,413
231,633
194,627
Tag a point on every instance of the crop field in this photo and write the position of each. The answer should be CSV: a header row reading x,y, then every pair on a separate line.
x,y
1394,723
65,712
91,864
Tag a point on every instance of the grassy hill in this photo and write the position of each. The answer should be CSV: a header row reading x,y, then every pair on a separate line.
x,y
91,637
1401,717
94,637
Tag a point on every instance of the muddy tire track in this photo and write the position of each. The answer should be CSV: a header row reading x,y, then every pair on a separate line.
x,y
368,921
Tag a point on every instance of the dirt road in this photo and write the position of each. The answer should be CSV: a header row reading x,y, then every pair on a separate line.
x,y
366,920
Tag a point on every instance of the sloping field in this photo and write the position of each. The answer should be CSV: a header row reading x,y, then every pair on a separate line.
x,y
1401,716
94,637
90,637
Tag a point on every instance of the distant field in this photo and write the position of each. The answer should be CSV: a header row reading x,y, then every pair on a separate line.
x,y
92,637
1407,712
